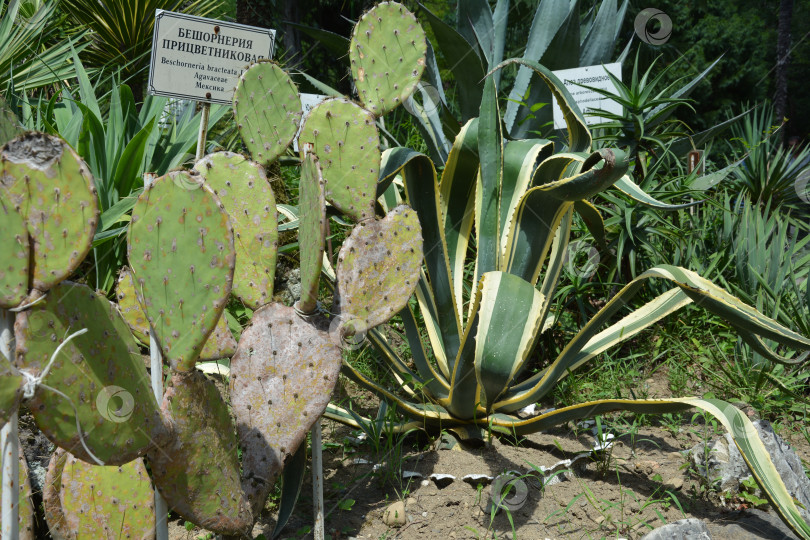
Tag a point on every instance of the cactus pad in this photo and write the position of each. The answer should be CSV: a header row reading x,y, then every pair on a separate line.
x,y
282,377
378,269
10,389
14,267
268,110
242,187
53,190
181,251
387,51
101,372
89,501
25,508
311,230
129,307
220,344
347,144
198,472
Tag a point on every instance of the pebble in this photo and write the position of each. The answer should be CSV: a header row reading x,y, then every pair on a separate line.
x,y
394,515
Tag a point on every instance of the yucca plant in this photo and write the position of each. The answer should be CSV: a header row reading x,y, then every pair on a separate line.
x,y
499,212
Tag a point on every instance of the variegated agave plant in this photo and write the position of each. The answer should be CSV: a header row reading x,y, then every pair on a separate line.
x,y
510,203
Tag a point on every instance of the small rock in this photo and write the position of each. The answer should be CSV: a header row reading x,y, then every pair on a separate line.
x,y
675,482
424,514
424,483
753,524
410,501
648,466
685,529
442,480
394,515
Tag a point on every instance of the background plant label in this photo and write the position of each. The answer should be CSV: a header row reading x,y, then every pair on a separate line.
x,y
595,76
308,101
202,59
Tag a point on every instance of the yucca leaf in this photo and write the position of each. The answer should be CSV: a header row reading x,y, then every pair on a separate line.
x,y
510,315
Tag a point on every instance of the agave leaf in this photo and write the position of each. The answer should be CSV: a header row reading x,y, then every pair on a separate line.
x,y
593,221
476,25
422,190
488,185
466,67
292,479
597,46
510,317
632,190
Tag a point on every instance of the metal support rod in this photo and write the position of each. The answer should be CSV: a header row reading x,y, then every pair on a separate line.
x,y
317,481
206,109
10,445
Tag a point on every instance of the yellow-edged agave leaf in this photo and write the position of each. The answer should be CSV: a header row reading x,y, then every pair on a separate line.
x,y
579,137
557,167
632,190
557,258
519,160
457,200
465,396
510,315
759,346
593,221
542,208
488,184
422,190
434,381
427,306
745,319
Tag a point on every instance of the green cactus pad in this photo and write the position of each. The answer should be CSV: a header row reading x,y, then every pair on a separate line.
x,y
282,376
51,497
25,508
129,307
242,187
10,389
378,269
181,251
53,190
198,472
347,143
268,110
107,502
220,344
311,230
14,268
101,372
387,51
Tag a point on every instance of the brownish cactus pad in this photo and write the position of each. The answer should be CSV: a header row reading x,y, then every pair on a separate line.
x,y
220,344
129,307
51,497
198,471
378,269
282,377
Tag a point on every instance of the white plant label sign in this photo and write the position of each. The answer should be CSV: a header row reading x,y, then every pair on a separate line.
x,y
201,59
595,76
308,101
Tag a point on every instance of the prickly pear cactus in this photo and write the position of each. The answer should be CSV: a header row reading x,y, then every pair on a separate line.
x,y
101,373
25,508
9,127
387,52
129,307
378,269
14,267
181,251
347,144
10,389
49,184
220,344
198,472
242,187
311,230
51,497
268,110
99,502
282,377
